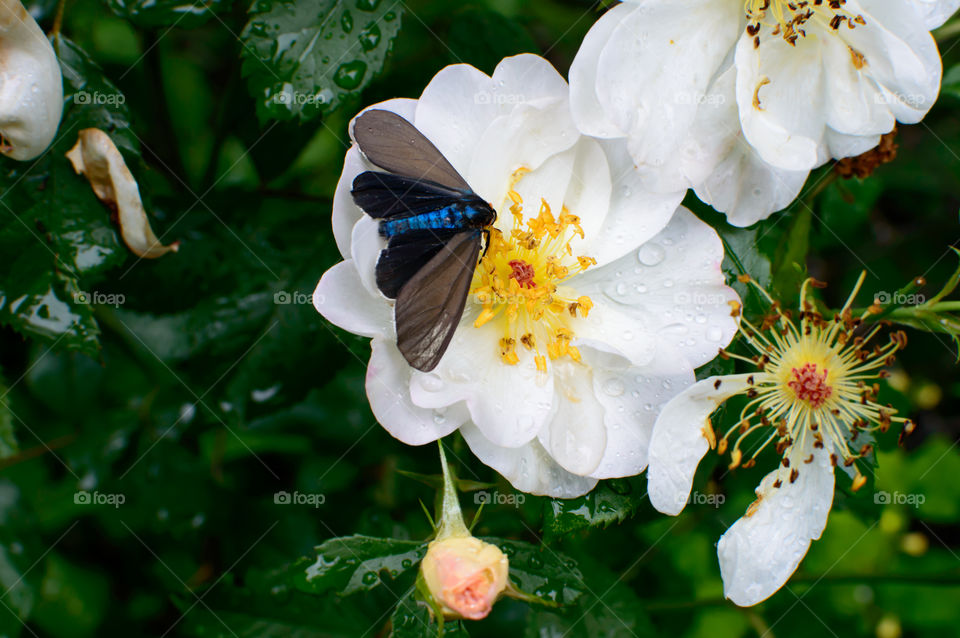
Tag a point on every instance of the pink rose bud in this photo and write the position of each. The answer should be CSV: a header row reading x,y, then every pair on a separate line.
x,y
465,575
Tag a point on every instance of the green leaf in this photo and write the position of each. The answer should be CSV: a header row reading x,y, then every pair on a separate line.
x,y
39,302
610,610
610,502
542,573
53,223
210,327
92,101
303,59
357,563
168,13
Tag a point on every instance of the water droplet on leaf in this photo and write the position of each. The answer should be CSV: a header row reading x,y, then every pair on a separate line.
x,y
350,75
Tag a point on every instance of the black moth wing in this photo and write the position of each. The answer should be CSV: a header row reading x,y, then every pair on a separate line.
x,y
406,254
384,195
430,305
395,145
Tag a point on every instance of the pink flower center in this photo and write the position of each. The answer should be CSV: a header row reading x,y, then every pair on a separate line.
x,y
471,598
809,385
523,273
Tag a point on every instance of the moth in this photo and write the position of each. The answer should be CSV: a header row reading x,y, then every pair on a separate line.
x,y
434,225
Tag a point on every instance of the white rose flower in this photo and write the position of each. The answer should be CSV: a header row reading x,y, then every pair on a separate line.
x,y
813,399
31,88
593,304
742,99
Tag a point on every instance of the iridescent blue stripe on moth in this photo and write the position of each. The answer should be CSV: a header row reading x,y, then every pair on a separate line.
x,y
434,225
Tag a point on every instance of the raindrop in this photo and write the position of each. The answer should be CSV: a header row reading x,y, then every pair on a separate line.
x,y
621,289
676,329
613,387
714,333
370,578
651,254
350,75
367,5
370,37
346,21
431,382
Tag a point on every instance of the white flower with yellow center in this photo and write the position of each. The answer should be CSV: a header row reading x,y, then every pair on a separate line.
x,y
741,99
813,400
591,307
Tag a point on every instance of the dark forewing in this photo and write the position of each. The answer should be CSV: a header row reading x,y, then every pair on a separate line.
x,y
395,145
384,195
430,305
406,254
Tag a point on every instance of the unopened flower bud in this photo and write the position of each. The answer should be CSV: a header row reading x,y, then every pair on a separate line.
x,y
465,576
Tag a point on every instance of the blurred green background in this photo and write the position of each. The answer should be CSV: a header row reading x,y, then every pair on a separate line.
x,y
200,394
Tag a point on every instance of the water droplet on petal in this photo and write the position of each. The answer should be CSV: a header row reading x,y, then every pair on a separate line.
x,y
613,387
651,254
432,382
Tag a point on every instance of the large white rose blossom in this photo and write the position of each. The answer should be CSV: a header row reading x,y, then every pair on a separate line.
x,y
812,399
741,99
591,307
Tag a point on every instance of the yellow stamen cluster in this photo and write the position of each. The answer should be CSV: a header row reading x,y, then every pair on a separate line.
x,y
814,385
788,18
520,284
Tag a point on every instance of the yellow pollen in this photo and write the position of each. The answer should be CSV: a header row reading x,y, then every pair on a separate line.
x,y
789,19
813,388
521,283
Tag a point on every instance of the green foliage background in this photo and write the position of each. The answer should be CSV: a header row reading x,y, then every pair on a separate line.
x,y
198,398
